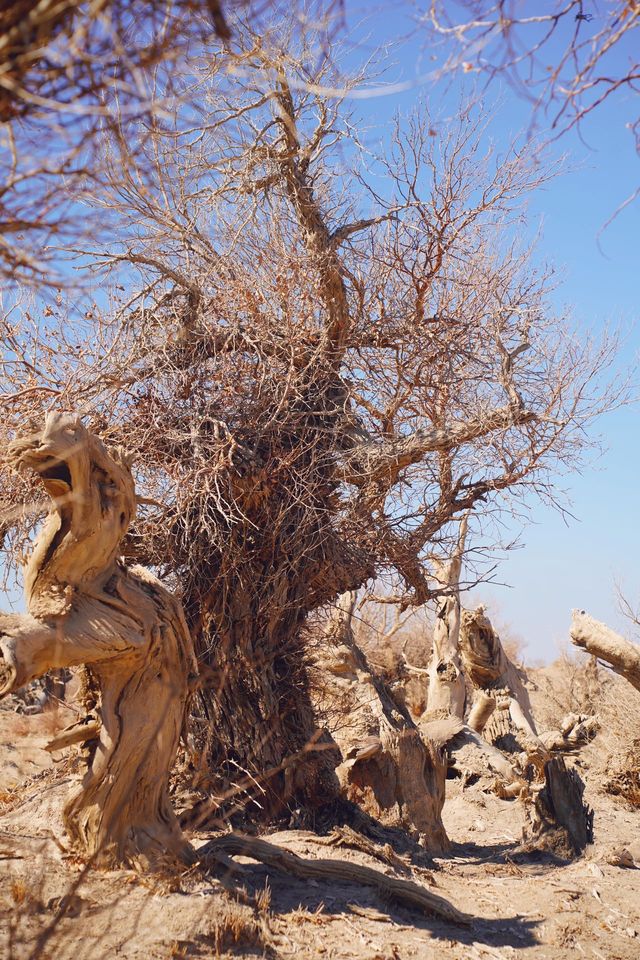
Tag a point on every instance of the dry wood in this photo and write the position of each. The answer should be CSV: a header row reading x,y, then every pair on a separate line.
x,y
447,694
560,820
602,642
490,670
575,730
386,766
85,607
404,892
86,729
472,752
483,707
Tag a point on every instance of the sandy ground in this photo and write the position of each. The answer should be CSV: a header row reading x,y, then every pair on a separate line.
x,y
535,909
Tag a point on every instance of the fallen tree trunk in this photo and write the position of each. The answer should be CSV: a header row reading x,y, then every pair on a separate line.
x,y
85,607
386,768
602,642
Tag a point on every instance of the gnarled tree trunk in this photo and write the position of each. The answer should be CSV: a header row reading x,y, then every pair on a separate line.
x,y
491,671
386,766
447,692
85,607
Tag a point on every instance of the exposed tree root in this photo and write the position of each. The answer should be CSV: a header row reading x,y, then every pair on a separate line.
x,y
406,893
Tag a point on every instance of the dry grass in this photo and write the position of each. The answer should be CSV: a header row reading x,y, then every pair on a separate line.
x,y
570,685
236,929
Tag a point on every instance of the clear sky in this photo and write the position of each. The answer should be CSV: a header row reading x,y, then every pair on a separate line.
x,y
562,563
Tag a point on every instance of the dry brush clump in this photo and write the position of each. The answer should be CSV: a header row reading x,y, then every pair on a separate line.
x,y
576,685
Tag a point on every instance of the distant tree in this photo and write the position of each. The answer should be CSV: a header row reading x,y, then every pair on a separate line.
x,y
67,68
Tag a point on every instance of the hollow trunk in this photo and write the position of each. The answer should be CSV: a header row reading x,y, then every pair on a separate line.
x,y
85,607
447,693
386,767
560,821
491,672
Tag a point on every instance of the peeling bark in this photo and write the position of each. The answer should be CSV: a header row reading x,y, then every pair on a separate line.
x,y
85,607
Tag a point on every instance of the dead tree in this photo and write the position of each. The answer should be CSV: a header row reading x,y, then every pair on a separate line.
x,y
600,641
317,382
592,56
502,705
86,607
386,766
491,672
560,822
447,690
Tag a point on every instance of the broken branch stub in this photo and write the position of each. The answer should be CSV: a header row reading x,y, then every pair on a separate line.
x,y
85,607
560,821
602,642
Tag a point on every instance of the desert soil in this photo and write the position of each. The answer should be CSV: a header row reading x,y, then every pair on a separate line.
x,y
531,907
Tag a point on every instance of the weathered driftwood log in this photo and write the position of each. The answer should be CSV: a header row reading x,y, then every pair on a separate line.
x,y
387,768
600,641
85,607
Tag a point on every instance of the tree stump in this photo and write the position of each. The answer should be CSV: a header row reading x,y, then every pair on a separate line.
x,y
561,822
86,607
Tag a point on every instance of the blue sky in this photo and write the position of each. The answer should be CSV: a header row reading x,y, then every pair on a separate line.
x,y
562,563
